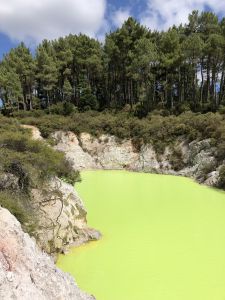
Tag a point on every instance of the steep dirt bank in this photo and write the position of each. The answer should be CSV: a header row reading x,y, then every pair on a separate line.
x,y
196,159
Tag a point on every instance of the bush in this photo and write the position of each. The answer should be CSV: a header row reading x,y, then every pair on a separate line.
x,y
24,114
221,150
87,101
176,160
8,201
16,205
157,129
222,109
141,110
62,108
31,161
72,177
221,183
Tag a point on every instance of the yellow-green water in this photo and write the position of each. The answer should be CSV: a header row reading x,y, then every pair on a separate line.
x,y
163,238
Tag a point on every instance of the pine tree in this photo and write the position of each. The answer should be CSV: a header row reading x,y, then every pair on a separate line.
x,y
67,90
46,74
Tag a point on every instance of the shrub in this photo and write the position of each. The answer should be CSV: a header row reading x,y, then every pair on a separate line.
x,y
31,161
176,159
157,129
207,168
141,110
15,203
87,101
222,109
8,201
24,114
62,108
221,151
221,182
72,177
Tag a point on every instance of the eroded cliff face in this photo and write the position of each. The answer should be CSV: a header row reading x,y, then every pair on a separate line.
x,y
59,220
62,217
195,159
59,211
59,214
26,272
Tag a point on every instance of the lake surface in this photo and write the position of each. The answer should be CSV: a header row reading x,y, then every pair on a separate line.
x,y
163,238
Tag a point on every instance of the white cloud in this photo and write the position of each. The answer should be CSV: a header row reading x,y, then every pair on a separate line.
x,y
161,14
38,19
119,16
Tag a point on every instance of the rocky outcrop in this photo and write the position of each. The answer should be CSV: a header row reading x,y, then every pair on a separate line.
x,y
79,158
61,215
195,159
87,152
35,132
26,272
58,214
9,181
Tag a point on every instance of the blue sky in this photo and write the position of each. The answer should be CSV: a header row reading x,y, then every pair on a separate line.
x,y
31,21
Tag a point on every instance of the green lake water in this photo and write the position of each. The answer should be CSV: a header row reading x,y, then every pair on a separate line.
x,y
163,238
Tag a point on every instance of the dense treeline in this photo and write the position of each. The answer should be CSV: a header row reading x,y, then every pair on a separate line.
x,y
177,70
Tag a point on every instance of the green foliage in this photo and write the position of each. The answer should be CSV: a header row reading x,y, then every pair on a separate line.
x,y
8,201
17,75
25,114
62,108
31,161
141,110
71,177
222,109
87,101
176,70
150,87
207,168
221,182
176,159
46,123
16,204
46,74
156,128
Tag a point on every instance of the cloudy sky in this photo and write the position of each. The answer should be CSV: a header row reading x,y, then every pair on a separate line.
x,y
33,20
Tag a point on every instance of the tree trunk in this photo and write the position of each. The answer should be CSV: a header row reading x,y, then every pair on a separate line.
x,y
208,80
202,84
221,85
